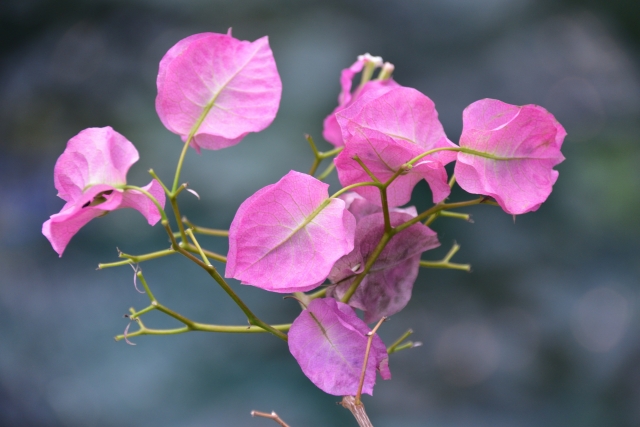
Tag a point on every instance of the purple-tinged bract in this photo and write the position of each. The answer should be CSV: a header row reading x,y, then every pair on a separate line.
x,y
329,342
387,288
387,131
87,176
287,236
217,89
515,150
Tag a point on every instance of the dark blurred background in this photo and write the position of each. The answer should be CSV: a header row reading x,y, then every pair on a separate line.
x,y
543,332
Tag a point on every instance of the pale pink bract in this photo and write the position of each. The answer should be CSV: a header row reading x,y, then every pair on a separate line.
x,y
87,174
526,140
287,236
217,88
387,131
329,342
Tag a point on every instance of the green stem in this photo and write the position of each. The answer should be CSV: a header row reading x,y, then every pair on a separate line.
x,y
397,342
183,154
326,154
318,294
385,210
444,263
146,288
438,208
447,265
176,212
154,176
465,217
314,166
372,259
327,171
195,242
252,318
366,169
204,230
150,196
134,259
202,327
208,253
352,186
408,344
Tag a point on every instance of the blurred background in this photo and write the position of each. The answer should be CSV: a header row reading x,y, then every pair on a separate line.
x,y
543,332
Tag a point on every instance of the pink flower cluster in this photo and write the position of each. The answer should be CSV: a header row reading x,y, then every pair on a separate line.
x,y
292,236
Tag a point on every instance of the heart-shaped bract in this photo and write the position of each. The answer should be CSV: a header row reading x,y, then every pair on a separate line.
x,y
512,152
387,131
329,342
216,89
287,236
87,176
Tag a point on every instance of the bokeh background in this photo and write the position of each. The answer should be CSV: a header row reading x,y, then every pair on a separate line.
x,y
543,332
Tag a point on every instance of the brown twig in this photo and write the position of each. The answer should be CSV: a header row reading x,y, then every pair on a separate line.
x,y
357,409
273,416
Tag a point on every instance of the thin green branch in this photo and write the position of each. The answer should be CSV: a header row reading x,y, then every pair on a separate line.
x,y
397,342
203,230
200,251
408,344
366,169
163,215
438,208
135,259
146,287
201,327
176,212
352,186
327,171
190,325
372,259
444,263
252,318
462,216
154,176
326,154
208,253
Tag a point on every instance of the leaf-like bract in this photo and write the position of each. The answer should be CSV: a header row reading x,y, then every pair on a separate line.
x,y
86,175
329,342
217,89
387,288
373,88
514,150
287,236
387,131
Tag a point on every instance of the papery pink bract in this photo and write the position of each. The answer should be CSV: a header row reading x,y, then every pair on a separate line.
x,y
219,88
86,175
387,288
329,342
387,131
527,140
371,89
287,236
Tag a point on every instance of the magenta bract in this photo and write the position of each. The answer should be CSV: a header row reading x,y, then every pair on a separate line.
x,y
331,130
387,131
287,236
217,89
515,151
87,175
329,342
387,288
